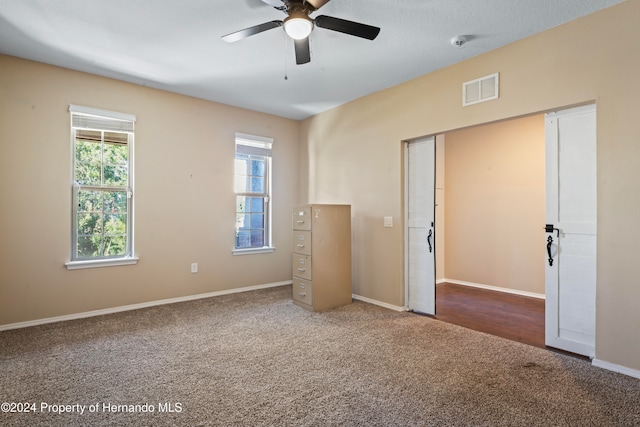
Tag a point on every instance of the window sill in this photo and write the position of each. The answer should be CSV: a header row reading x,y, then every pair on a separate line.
x,y
95,263
262,250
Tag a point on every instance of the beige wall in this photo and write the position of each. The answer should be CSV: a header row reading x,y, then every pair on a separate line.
x,y
495,204
184,202
353,153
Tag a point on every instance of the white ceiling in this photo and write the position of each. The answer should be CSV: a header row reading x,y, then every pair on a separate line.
x,y
176,46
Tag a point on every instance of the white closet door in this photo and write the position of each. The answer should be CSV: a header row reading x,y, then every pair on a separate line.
x,y
419,233
570,240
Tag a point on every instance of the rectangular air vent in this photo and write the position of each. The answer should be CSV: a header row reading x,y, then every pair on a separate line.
x,y
480,90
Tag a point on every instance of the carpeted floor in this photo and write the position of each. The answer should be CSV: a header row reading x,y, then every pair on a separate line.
x,y
255,359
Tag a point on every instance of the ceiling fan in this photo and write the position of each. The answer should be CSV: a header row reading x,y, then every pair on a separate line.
x,y
298,25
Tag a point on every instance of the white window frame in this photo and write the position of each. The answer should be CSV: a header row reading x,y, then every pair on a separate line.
x,y
88,118
261,146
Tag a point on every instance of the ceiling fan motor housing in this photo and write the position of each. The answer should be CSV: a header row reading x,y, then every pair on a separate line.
x,y
298,25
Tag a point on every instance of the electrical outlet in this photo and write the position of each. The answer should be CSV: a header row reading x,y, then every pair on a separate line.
x,y
194,267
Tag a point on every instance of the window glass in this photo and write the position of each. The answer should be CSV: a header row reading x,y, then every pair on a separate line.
x,y
251,183
102,190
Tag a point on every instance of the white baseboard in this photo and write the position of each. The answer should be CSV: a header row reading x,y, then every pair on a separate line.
x,y
492,288
137,306
615,368
378,303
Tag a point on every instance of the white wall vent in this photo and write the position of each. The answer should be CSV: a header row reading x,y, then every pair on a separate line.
x,y
480,90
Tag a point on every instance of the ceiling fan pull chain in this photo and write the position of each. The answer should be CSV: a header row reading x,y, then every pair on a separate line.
x,y
286,46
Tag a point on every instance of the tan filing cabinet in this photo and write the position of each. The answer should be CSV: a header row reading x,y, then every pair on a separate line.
x,y
321,259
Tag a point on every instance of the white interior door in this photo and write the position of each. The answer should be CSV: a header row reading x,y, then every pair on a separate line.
x,y
419,220
571,230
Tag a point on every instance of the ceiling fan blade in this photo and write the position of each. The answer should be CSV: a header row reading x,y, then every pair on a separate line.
x,y
317,4
348,27
303,55
243,34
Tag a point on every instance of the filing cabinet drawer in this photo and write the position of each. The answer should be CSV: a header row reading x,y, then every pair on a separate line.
x,y
303,291
301,265
301,218
302,242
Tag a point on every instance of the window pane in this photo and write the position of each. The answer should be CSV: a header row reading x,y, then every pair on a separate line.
x,y
116,154
257,204
115,176
115,202
87,173
241,184
89,246
89,201
115,245
257,221
88,154
88,151
257,167
243,239
257,238
242,221
115,224
89,223
241,165
257,184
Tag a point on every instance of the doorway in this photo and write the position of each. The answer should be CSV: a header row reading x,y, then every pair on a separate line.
x,y
493,200
494,194
488,205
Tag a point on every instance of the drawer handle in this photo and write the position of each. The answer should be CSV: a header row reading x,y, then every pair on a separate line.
x,y
301,246
302,270
302,294
301,285
300,221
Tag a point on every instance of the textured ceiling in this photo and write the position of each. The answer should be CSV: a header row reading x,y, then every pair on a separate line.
x,y
176,46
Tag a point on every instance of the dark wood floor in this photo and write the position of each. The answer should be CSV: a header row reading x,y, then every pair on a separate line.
x,y
510,316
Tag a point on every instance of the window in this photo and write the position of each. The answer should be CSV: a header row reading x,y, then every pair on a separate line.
x,y
102,188
253,194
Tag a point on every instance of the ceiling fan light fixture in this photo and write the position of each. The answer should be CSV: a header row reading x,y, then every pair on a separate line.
x,y
298,27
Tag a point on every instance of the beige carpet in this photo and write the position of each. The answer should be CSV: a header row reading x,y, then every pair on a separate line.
x,y
255,359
